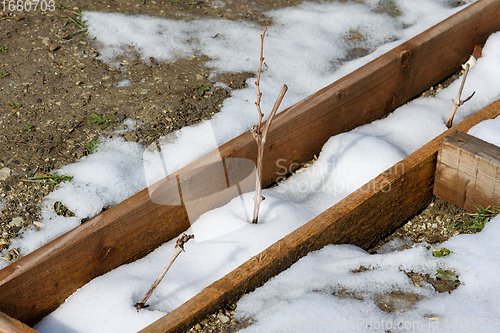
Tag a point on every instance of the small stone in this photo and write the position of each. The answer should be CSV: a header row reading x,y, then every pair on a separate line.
x,y
131,136
38,225
54,48
199,77
5,173
16,222
197,327
224,319
120,116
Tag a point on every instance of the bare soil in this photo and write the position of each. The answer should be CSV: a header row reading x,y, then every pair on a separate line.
x,y
51,85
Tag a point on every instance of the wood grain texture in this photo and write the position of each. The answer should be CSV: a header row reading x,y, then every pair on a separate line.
x,y
37,284
468,172
11,325
363,218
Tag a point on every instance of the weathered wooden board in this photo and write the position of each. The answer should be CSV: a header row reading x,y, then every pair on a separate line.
x,y
11,325
362,218
37,284
468,172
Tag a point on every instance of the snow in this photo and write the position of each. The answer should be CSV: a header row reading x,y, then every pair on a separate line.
x,y
130,124
487,130
347,161
300,298
123,83
287,304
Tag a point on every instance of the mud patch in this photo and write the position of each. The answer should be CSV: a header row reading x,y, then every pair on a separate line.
x,y
344,293
442,283
397,301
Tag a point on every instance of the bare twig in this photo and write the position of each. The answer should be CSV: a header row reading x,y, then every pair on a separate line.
x,y
260,136
257,83
457,102
179,247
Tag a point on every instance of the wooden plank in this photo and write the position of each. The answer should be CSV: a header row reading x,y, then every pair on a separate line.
x,y
468,172
367,215
35,285
11,325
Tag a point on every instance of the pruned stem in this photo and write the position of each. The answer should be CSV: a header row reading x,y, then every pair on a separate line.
x,y
179,247
260,135
260,138
476,54
457,102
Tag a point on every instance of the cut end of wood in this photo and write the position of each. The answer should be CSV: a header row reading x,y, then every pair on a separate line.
x,y
478,51
468,172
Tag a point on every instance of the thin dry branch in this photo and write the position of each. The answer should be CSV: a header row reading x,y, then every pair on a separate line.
x,y
179,247
257,83
457,102
260,136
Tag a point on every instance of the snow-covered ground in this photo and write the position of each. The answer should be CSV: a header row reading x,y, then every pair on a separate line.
x,y
300,299
303,41
487,130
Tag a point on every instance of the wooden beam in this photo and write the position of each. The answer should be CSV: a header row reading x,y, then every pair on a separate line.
x,y
11,325
468,172
364,217
37,284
